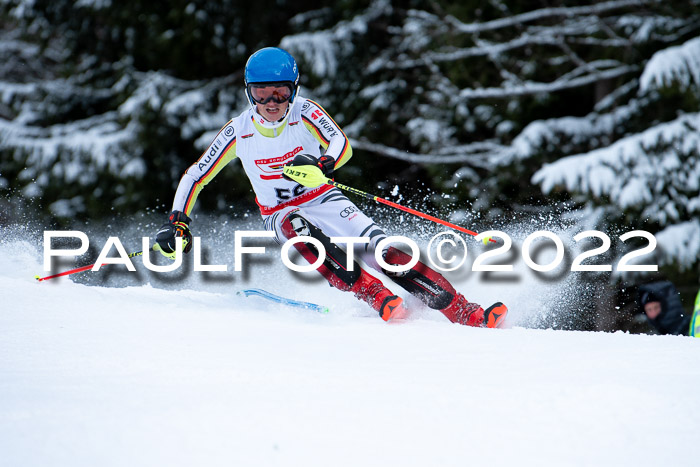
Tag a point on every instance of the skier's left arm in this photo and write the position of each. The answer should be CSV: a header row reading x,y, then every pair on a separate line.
x,y
337,149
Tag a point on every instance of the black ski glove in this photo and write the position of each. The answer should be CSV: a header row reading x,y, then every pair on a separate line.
x,y
325,163
177,226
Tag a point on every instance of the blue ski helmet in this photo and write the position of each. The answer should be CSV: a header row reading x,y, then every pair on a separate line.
x,y
271,65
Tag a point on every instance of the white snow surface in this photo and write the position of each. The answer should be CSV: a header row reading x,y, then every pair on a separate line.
x,y
188,374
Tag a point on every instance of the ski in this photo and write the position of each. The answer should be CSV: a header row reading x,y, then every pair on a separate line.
x,y
285,301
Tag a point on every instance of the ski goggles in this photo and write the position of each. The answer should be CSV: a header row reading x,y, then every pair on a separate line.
x,y
266,92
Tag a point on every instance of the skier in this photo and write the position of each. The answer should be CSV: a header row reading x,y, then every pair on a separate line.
x,y
281,130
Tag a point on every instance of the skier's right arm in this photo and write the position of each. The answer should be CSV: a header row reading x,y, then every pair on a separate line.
x,y
220,152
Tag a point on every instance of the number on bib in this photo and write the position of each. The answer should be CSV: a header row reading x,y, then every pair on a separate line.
x,y
285,194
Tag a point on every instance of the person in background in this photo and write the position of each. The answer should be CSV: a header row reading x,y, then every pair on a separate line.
x,y
661,303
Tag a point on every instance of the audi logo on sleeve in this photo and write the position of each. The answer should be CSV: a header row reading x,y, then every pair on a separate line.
x,y
347,211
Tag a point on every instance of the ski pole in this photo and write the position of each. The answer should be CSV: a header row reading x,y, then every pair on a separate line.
x,y
85,268
402,208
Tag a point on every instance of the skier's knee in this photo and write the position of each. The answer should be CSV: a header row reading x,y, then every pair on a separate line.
x,y
294,225
334,266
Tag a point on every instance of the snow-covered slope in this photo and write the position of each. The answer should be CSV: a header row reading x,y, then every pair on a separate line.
x,y
146,375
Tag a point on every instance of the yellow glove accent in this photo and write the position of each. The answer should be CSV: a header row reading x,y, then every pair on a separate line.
x,y
307,175
180,243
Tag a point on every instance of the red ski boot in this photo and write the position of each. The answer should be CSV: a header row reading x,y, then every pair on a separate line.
x,y
495,315
471,314
371,290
